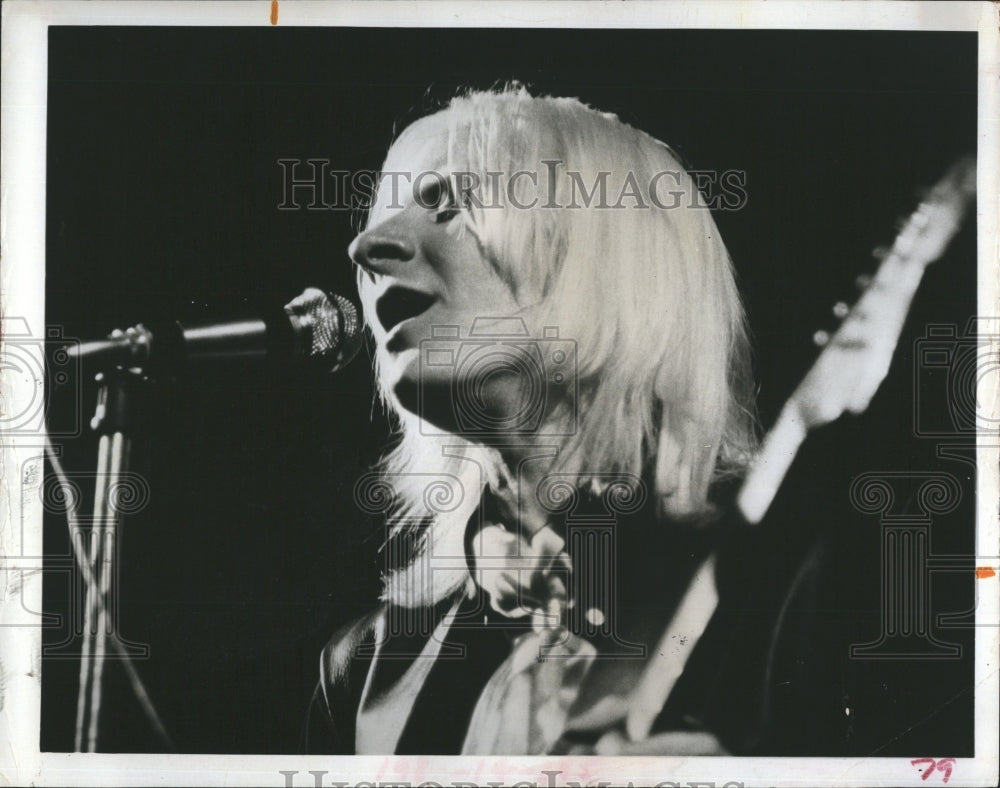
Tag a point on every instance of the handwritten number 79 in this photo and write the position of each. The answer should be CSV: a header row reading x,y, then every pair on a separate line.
x,y
945,765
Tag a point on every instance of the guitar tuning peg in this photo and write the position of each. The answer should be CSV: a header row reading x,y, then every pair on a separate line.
x,y
880,252
921,217
840,310
821,338
863,281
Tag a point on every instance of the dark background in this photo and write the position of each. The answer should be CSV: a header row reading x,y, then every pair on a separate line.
x,y
162,194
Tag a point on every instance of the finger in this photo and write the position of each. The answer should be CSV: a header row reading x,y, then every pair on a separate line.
x,y
670,743
509,600
510,610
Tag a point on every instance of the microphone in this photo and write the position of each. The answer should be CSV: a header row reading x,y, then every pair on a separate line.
x,y
320,330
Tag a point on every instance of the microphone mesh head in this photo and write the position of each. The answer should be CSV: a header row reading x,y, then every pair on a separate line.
x,y
327,328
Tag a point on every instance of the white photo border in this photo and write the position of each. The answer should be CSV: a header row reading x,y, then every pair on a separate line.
x,y
22,288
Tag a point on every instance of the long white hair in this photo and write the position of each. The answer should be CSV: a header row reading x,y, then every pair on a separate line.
x,y
639,279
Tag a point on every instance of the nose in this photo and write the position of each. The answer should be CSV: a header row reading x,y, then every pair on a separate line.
x,y
376,250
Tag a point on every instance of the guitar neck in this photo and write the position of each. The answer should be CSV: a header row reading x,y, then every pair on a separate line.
x,y
802,411
771,464
854,362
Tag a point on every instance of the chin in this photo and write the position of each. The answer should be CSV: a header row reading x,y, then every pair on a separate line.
x,y
400,375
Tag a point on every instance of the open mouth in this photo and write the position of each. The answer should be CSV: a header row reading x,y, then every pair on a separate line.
x,y
400,303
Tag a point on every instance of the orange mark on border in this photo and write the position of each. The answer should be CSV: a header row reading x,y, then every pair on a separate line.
x,y
982,572
274,12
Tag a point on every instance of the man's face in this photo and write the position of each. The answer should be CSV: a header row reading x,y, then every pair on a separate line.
x,y
421,268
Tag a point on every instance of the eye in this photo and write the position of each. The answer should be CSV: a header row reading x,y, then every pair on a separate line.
x,y
435,192
436,195
445,215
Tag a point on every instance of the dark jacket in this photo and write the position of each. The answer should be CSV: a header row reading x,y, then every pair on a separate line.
x,y
761,678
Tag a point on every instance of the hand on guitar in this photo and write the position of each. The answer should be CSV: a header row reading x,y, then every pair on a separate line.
x,y
845,377
668,743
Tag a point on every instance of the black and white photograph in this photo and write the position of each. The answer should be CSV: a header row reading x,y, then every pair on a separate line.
x,y
576,390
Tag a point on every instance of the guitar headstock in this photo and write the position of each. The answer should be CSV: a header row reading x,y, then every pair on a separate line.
x,y
856,358
930,228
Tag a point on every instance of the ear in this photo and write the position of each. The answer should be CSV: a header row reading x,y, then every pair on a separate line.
x,y
673,472
684,466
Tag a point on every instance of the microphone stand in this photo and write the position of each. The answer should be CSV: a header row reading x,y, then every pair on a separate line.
x,y
113,419
312,327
